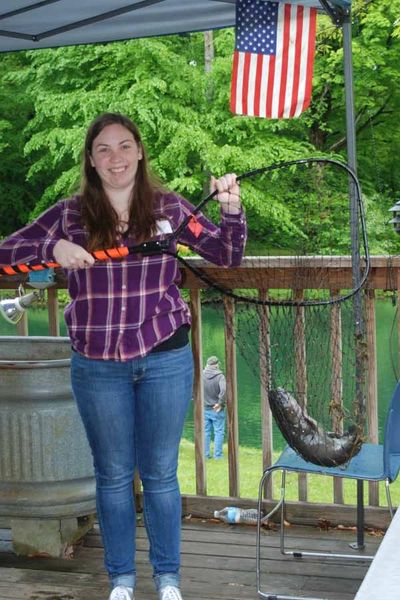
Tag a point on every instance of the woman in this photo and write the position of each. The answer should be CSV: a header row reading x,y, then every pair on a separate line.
x,y
131,368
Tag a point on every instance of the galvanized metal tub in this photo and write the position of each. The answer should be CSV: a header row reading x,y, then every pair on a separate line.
x,y
46,468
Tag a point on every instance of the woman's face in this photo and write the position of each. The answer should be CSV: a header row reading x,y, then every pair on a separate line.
x,y
115,156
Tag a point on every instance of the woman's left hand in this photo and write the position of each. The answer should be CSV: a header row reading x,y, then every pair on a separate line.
x,y
228,193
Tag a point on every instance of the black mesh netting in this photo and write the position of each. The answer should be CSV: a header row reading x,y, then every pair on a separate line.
x,y
299,320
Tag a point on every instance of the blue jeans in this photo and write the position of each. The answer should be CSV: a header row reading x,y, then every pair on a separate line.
x,y
214,421
133,413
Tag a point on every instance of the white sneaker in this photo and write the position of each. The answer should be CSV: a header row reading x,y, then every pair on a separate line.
x,y
122,593
170,592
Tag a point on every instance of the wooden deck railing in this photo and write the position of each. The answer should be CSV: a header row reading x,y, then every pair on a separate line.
x,y
259,274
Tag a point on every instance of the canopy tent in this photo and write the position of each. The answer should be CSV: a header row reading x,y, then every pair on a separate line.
x,y
32,24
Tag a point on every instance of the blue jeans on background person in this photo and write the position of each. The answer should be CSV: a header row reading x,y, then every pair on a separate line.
x,y
134,413
214,421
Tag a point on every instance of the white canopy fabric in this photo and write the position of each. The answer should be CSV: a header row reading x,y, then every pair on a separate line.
x,y
32,24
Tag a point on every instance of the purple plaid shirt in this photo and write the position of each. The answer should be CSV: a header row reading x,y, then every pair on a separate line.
x,y
121,309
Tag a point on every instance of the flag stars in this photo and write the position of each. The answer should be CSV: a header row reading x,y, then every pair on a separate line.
x,y
257,19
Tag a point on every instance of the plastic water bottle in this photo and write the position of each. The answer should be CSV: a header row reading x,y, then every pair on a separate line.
x,y
233,514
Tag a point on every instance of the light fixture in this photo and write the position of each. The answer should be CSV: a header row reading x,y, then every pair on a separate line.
x,y
12,309
395,221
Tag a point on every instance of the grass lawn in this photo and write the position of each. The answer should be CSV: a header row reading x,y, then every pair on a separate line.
x,y
320,487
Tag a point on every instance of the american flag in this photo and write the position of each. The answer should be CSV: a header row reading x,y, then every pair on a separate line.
x,y
273,60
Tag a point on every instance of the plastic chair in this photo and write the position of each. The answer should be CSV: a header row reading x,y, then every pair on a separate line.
x,y
374,462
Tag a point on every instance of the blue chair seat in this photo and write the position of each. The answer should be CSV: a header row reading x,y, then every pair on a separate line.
x,y
368,464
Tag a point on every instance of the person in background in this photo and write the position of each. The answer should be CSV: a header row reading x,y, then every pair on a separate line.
x,y
214,389
132,365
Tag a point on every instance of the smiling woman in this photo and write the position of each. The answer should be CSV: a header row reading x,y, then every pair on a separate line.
x,y
132,366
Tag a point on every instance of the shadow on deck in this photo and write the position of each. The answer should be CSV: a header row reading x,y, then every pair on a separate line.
x,y
218,562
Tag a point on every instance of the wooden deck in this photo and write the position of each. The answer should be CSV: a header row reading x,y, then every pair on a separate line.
x,y
218,562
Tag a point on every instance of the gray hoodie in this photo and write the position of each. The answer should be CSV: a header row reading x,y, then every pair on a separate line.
x,y
214,386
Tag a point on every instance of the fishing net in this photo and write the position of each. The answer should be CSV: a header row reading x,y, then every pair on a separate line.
x,y
299,315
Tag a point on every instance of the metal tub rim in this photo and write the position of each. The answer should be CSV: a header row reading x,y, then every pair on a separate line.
x,y
32,363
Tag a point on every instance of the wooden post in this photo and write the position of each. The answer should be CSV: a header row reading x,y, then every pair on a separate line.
x,y
22,325
198,413
231,396
265,370
299,340
372,391
336,407
52,308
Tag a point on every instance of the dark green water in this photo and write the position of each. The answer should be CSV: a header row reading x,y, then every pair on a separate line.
x,y
248,385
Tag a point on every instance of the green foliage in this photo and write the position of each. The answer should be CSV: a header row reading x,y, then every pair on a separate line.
x,y
48,97
16,109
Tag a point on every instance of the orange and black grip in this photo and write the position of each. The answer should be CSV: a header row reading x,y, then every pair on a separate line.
x,y
25,268
98,254
147,248
111,253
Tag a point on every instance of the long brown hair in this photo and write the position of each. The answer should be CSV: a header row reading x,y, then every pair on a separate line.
x,y
98,216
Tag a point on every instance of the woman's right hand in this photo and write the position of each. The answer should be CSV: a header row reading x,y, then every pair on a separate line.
x,y
72,256
228,193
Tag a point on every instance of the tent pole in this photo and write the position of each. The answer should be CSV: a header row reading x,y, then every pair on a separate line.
x,y
349,92
357,307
